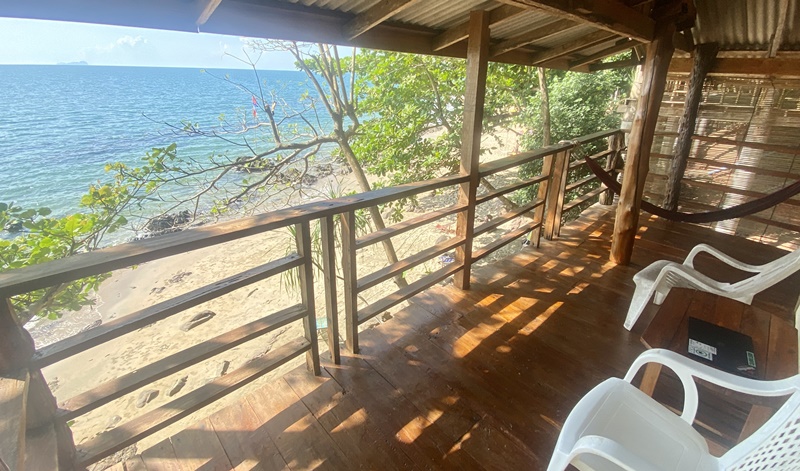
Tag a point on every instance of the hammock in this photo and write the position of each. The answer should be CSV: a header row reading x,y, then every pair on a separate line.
x,y
738,211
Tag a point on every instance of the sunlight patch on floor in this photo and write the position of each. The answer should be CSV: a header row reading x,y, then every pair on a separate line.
x,y
540,319
355,420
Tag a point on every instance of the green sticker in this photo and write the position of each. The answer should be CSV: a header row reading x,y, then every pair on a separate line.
x,y
751,359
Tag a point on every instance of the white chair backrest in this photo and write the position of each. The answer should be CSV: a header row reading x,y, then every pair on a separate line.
x,y
771,273
775,446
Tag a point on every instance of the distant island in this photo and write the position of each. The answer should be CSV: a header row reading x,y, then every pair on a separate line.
x,y
73,63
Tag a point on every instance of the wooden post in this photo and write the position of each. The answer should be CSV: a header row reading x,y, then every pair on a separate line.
x,y
350,280
704,55
329,275
659,53
555,194
16,344
474,96
303,241
615,144
541,194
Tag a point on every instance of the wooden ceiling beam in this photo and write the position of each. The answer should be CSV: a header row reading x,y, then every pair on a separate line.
x,y
771,66
609,15
590,40
206,9
780,28
460,32
531,36
633,62
375,15
619,46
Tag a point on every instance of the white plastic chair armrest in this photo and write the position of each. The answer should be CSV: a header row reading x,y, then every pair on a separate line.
x,y
682,271
610,450
699,248
687,370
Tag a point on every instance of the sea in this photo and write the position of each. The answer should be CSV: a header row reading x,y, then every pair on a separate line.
x,y
62,124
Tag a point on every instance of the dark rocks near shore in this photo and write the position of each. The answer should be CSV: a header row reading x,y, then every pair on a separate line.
x,y
13,226
179,384
145,397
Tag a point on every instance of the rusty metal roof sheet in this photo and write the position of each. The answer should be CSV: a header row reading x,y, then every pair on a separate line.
x,y
745,25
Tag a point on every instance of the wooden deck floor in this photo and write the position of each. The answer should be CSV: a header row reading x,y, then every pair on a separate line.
x,y
465,380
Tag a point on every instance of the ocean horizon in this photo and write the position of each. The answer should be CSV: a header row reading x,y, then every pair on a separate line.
x,y
64,123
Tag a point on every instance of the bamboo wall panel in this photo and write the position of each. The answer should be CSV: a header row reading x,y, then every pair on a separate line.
x,y
722,174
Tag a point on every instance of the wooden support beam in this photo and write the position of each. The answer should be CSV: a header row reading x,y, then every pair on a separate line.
x,y
704,56
780,28
609,15
726,66
531,36
618,46
683,41
591,39
376,15
458,33
659,53
207,8
474,97
615,65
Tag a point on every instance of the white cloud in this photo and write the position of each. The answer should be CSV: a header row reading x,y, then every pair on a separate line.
x,y
126,41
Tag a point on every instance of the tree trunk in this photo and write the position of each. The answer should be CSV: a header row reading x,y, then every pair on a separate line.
x,y
374,213
545,109
704,56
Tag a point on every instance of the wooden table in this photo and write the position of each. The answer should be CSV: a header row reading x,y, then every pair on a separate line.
x,y
774,339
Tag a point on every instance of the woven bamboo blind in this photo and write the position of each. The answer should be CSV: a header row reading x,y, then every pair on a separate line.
x,y
721,174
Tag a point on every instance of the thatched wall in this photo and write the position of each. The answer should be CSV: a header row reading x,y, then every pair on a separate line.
x,y
719,174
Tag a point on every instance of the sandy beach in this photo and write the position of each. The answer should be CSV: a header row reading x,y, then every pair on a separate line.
x,y
135,288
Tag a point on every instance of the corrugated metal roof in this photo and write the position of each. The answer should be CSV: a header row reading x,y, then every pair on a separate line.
x,y
442,14
744,25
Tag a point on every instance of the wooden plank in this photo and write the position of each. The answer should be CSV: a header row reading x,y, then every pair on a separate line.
x,y
405,226
407,263
496,166
555,195
161,457
299,437
618,46
579,183
506,239
509,188
474,97
590,40
532,36
637,164
609,15
247,444
305,272
349,425
13,407
109,442
375,15
328,240
118,387
198,447
116,328
583,198
507,216
350,275
79,266
404,293
41,449
206,9
460,32
134,463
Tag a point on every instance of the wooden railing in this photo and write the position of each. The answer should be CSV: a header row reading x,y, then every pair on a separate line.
x,y
18,356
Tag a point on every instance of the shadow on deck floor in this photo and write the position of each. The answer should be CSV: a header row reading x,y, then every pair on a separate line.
x,y
466,380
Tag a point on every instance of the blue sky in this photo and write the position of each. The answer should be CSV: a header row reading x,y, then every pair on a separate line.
x,y
50,42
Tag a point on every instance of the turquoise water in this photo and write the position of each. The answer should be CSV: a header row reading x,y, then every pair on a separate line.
x,y
62,124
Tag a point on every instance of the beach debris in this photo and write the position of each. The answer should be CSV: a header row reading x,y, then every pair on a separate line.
x,y
386,316
145,397
223,368
179,384
53,384
197,319
447,258
91,326
114,420
178,277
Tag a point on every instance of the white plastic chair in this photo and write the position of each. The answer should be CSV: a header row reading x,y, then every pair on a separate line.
x,y
656,280
616,426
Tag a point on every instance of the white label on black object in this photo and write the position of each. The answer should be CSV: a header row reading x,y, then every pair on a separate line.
x,y
702,350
